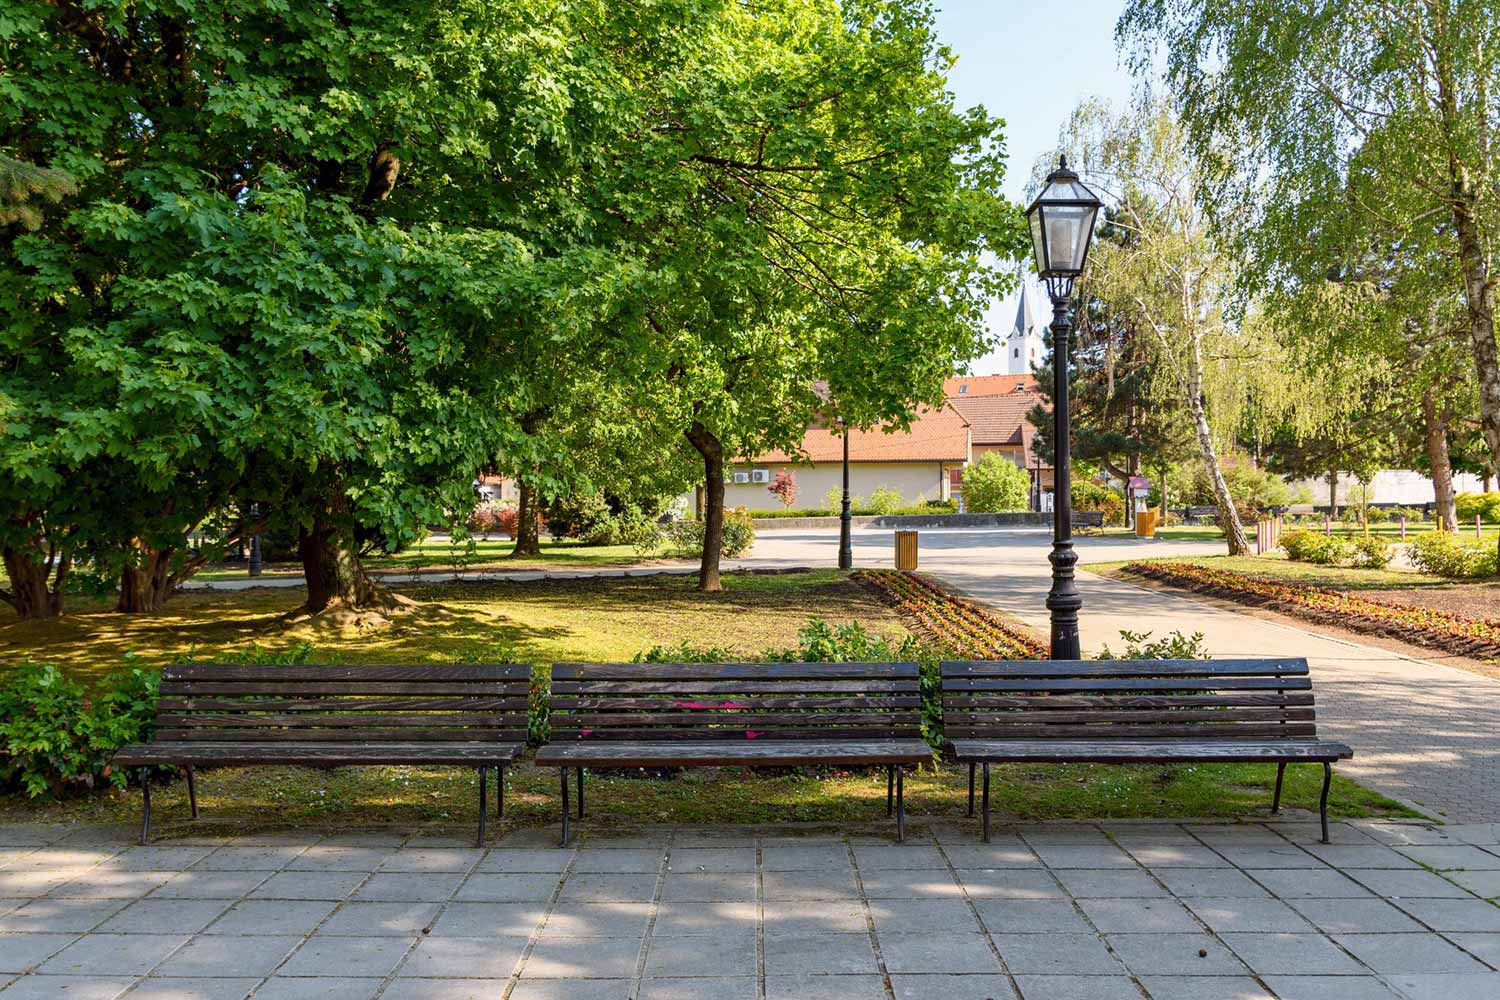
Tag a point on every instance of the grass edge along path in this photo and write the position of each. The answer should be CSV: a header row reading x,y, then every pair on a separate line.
x,y
1443,631
957,623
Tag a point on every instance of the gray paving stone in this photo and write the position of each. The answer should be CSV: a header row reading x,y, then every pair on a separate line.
x,y
950,952
113,954
443,989
905,916
1485,947
432,859
1482,883
911,883
709,887
380,919
467,958
1462,856
308,885
703,919
1056,955
1411,884
1228,883
489,919
165,916
61,915
1481,834
727,954
603,888
556,957
1321,884
1269,856
1475,986
209,885
157,859
320,988
1408,954
809,858
1004,883
98,884
1360,856
1455,914
1176,856
1146,916
1064,855
1247,915
954,987
1329,988
737,988
339,858
598,919
1109,884
1204,988
712,860
885,857
821,954
194,989
571,989
785,918
273,916
245,859
228,955
1000,852
1106,987
825,988
1030,916
347,956
619,861
506,887
19,952
66,988
808,885
1194,954
552,860
1352,916
426,887
1292,955
1396,834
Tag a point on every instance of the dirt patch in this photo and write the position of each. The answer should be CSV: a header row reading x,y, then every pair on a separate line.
x,y
1473,600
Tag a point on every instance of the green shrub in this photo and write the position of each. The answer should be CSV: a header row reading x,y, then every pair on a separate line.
x,y
54,738
996,485
1371,552
1443,553
685,538
885,500
1176,646
1486,505
1089,495
1301,544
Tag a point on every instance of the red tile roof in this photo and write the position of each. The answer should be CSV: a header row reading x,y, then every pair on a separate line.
x,y
970,386
940,435
1001,420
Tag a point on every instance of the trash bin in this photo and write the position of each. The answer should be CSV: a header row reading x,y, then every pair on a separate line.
x,y
1145,524
906,550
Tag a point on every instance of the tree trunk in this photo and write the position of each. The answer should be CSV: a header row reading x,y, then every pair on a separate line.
x,y
1229,517
528,540
36,580
335,578
1437,458
713,504
146,580
1333,493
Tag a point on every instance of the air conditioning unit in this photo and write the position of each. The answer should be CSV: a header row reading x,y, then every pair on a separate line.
x,y
760,476
741,477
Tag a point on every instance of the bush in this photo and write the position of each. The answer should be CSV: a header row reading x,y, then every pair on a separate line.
x,y
833,500
55,738
685,538
1486,505
995,485
1089,495
488,518
1443,553
1372,552
1176,646
885,500
784,487
1301,544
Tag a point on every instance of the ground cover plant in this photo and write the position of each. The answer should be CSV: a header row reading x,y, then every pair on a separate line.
x,y
965,629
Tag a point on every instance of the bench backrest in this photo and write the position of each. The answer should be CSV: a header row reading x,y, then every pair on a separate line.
x,y
1089,518
1127,699
735,701
309,703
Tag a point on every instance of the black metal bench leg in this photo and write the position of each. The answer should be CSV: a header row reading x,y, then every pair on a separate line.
x,y
580,793
484,805
971,789
985,805
145,806
500,791
192,793
890,787
900,804
566,807
1323,799
1276,799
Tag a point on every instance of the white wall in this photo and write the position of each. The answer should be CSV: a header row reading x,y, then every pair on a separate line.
x,y
917,481
1403,486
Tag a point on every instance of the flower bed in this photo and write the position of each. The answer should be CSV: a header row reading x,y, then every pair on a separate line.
x,y
958,624
1442,630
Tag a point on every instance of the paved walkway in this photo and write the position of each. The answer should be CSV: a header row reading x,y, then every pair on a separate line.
x,y
1423,732
1046,912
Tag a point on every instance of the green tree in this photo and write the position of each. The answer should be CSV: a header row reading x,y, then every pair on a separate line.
x,y
995,484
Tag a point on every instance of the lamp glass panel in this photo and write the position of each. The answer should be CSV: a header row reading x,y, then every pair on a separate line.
x,y
1068,229
1037,246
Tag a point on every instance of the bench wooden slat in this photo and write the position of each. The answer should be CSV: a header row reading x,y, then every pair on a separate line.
x,y
1147,751
421,673
1176,716
575,703
1128,731
761,672
336,704
788,687
720,753
297,721
1119,668
203,688
344,734
1183,684
1064,702
226,754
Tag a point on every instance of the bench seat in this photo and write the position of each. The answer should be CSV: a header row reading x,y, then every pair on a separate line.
x,y
721,753
1108,751
316,754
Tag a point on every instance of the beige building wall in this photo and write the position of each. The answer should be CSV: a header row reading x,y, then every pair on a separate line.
x,y
1014,453
917,481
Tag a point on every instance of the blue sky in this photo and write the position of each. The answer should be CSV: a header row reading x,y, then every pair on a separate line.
x,y
1030,63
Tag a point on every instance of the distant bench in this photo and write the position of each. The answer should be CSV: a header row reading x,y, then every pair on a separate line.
x,y
1134,712
239,715
1088,519
631,715
1198,515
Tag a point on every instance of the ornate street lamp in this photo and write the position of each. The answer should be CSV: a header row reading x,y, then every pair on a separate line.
x,y
1062,226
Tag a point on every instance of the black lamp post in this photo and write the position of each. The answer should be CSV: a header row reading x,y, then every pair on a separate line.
x,y
846,544
1062,226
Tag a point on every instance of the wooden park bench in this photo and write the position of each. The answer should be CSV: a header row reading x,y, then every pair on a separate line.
x,y
1088,519
1134,712
1200,515
632,715
241,715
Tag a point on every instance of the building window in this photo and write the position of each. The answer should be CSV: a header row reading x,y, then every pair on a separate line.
x,y
1016,352
963,388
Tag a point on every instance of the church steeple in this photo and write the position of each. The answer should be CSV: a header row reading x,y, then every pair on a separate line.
x,y
1023,348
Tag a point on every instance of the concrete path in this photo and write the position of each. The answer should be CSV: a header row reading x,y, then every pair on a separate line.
x,y
1423,732
1045,912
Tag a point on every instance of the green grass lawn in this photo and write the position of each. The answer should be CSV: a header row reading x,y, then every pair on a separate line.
x,y
1278,567
601,620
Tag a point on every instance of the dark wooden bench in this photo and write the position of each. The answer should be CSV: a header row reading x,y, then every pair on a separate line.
x,y
627,715
1088,519
1199,515
1134,712
240,715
